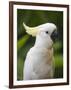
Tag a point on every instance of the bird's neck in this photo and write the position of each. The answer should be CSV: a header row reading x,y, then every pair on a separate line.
x,y
43,43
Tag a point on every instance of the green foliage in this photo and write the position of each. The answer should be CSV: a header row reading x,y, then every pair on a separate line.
x,y
20,65
22,41
58,60
25,42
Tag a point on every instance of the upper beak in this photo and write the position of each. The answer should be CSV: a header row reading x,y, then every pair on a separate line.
x,y
54,35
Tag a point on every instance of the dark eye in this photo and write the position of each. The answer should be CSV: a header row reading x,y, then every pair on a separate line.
x,y
47,32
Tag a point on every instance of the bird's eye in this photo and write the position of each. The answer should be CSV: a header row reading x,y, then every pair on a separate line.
x,y
47,32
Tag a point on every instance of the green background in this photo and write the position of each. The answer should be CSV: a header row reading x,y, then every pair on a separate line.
x,y
25,42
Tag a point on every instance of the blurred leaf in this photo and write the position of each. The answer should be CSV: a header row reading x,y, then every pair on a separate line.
x,y
20,66
57,45
58,60
58,66
22,41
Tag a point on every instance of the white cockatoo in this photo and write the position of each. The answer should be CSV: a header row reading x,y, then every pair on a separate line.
x,y
39,59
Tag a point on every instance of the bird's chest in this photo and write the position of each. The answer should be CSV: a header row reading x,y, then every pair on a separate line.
x,y
43,55
42,63
42,58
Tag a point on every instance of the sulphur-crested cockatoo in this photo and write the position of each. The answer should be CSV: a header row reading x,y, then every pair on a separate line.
x,y
39,59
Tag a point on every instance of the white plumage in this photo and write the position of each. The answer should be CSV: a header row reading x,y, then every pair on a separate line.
x,y
39,59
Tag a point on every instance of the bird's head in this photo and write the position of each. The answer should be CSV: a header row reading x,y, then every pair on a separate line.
x,y
43,30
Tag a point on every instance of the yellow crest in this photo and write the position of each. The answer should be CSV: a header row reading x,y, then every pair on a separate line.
x,y
30,30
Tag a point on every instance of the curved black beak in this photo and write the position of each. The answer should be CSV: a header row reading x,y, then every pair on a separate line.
x,y
54,35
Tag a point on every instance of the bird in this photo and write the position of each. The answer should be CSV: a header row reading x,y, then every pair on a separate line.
x,y
39,62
